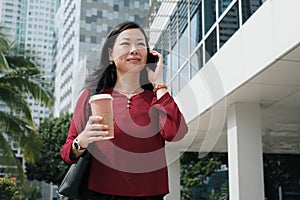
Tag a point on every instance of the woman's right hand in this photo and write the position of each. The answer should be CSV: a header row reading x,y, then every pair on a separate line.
x,y
93,131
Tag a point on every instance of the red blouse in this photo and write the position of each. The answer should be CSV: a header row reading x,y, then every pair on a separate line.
x,y
133,163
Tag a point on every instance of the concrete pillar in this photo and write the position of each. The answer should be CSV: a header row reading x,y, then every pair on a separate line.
x,y
245,152
173,161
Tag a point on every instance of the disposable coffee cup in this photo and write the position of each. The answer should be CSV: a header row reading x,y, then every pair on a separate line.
x,y
101,105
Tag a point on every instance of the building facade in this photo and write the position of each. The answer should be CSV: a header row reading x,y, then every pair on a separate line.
x,y
30,24
231,66
10,16
81,28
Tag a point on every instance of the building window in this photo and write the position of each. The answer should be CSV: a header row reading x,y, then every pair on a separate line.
x,y
126,3
82,38
229,24
211,45
91,19
183,47
209,14
174,59
174,86
167,71
93,39
249,7
197,61
184,76
116,7
196,27
137,19
223,4
99,14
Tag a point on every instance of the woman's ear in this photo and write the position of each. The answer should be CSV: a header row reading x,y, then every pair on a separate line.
x,y
110,54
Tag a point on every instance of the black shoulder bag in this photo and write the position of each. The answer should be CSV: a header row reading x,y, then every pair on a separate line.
x,y
75,182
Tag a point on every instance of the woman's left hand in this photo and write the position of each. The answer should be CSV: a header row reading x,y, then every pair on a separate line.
x,y
156,77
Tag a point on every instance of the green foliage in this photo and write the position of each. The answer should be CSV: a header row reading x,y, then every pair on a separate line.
x,y
51,168
213,195
33,192
224,193
280,170
20,77
8,188
186,193
195,171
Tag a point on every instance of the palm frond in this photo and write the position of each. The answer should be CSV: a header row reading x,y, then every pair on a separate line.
x,y
3,62
24,135
15,102
4,43
17,61
10,123
24,80
19,76
5,46
31,144
33,87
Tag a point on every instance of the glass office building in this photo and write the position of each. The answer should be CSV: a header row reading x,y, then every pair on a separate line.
x,y
231,65
31,25
195,31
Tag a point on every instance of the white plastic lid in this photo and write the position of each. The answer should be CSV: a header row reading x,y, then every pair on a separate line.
x,y
100,96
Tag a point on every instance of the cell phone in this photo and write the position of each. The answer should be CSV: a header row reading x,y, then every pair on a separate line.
x,y
152,61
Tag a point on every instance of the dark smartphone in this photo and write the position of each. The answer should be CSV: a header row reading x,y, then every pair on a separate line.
x,y
152,61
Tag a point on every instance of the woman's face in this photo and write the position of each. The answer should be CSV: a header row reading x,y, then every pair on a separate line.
x,y
129,52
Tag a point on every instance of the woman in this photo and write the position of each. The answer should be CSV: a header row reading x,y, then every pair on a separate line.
x,y
132,165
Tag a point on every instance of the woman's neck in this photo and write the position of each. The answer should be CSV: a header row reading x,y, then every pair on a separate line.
x,y
128,83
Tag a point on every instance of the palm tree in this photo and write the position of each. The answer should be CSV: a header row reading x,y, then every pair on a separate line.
x,y
19,78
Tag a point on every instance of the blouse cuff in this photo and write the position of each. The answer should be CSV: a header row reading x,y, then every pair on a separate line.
x,y
164,100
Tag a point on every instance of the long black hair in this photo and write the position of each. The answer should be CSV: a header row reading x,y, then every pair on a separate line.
x,y
105,75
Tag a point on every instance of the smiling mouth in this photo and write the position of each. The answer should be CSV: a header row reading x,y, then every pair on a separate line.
x,y
134,59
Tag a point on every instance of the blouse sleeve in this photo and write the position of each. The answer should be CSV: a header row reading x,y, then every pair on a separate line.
x,y
77,125
173,125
